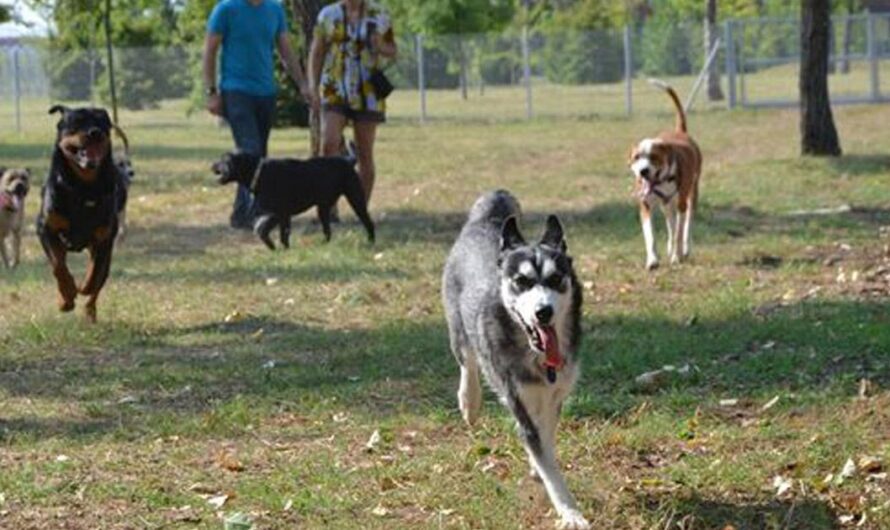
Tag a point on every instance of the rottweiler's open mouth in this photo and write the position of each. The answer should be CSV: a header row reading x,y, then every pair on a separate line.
x,y
87,155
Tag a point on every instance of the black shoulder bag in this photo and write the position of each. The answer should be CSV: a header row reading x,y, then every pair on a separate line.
x,y
383,87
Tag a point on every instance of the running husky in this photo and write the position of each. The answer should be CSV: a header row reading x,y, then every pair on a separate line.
x,y
513,313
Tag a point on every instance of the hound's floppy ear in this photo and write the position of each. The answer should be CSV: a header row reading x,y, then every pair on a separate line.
x,y
59,108
553,235
510,236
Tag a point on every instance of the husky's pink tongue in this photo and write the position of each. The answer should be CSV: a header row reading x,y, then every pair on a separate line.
x,y
552,356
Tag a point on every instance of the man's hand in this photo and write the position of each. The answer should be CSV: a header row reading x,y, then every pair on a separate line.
x,y
215,105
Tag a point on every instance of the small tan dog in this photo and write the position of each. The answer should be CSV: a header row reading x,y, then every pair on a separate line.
x,y
14,186
667,170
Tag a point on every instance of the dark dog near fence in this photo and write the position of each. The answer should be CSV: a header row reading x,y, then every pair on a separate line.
x,y
286,187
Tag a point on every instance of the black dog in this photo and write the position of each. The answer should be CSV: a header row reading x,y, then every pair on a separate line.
x,y
80,203
285,187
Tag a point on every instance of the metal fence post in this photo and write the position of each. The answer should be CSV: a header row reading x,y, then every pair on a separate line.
x,y
872,50
730,63
17,87
421,76
740,62
527,74
628,72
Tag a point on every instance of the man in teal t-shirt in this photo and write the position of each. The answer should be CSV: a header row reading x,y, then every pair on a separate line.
x,y
248,31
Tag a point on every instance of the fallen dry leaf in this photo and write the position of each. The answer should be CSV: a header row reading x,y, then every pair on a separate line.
x,y
234,316
387,484
218,501
865,388
380,511
848,470
770,404
870,464
373,441
228,462
782,485
198,487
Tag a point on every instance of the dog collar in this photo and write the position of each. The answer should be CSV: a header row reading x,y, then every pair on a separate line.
x,y
665,197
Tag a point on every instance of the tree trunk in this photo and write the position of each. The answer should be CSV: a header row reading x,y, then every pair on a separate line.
x,y
711,31
306,13
818,134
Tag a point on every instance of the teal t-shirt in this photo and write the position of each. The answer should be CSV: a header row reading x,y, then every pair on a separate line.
x,y
249,33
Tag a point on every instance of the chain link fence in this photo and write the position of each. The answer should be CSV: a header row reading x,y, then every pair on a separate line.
x,y
514,75
767,60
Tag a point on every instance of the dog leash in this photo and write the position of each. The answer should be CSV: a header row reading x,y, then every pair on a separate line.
x,y
256,176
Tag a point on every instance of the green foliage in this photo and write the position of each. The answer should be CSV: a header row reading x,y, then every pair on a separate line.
x,y
586,15
146,69
4,13
146,75
670,48
577,57
438,17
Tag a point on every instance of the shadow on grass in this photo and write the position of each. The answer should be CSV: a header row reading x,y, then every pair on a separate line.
x,y
29,151
694,513
861,165
619,221
176,240
806,348
134,379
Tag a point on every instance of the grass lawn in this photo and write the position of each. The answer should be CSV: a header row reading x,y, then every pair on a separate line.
x,y
221,371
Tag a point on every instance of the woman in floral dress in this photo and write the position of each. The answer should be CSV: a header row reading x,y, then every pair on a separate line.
x,y
351,39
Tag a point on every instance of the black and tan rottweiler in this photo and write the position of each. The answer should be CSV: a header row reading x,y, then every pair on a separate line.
x,y
81,200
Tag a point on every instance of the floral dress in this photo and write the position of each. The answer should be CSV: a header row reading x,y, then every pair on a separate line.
x,y
349,63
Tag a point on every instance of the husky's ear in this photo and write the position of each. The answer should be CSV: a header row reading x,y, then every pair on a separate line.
x,y
510,236
553,236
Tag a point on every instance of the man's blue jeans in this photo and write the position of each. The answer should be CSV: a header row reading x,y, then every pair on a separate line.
x,y
250,118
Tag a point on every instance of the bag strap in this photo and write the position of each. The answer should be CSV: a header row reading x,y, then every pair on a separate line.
x,y
381,67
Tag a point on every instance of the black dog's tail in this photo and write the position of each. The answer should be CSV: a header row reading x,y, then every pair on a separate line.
x,y
355,195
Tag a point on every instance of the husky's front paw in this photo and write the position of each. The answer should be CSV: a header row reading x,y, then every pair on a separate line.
x,y
651,264
572,520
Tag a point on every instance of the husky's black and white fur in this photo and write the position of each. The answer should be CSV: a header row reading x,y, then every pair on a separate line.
x,y
513,311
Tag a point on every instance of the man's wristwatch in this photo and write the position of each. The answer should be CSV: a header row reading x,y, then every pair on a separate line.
x,y
210,91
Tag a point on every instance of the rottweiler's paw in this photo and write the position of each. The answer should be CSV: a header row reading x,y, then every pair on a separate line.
x,y
66,304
